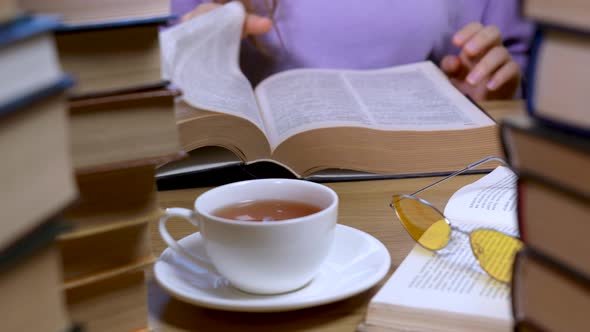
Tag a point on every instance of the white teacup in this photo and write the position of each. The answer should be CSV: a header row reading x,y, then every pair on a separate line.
x,y
262,257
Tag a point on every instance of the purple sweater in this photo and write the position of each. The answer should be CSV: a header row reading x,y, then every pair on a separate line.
x,y
355,34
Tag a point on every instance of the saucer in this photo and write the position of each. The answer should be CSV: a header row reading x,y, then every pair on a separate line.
x,y
356,262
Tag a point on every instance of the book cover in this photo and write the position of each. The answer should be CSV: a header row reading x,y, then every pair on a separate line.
x,y
56,88
571,75
159,20
543,151
106,131
30,243
112,58
553,220
574,14
27,27
548,294
97,12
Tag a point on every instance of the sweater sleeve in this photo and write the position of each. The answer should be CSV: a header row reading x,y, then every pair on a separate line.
x,y
181,7
516,31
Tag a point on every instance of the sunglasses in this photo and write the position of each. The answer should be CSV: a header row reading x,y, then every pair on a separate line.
x,y
494,250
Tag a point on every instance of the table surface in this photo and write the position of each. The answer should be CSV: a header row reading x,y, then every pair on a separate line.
x,y
363,205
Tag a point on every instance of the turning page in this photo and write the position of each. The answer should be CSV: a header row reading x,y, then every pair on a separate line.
x,y
488,202
201,57
416,97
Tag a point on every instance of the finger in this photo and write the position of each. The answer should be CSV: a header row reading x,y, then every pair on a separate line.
x,y
507,72
483,40
468,31
490,62
256,25
200,10
450,64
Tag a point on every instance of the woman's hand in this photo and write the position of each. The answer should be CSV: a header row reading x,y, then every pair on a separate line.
x,y
254,24
484,69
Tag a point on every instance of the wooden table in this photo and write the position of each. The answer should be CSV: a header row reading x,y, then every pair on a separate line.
x,y
363,205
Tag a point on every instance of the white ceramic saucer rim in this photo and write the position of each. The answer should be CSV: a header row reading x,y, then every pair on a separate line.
x,y
238,305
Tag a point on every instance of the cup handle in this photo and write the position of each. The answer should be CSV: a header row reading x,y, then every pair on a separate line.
x,y
202,265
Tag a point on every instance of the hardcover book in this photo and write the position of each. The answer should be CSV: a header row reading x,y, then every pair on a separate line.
x,y
123,130
99,11
30,277
554,221
401,120
568,13
111,57
34,129
548,296
28,60
558,77
557,156
110,302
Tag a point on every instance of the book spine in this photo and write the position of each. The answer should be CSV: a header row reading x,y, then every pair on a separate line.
x,y
523,178
550,134
531,254
35,240
531,79
552,264
525,223
526,325
25,101
555,23
505,141
159,20
563,190
531,70
25,27
521,217
514,287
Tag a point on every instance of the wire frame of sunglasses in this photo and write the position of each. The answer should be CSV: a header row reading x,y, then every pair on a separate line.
x,y
494,250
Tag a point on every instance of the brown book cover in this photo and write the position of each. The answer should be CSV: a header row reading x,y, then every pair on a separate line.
x,y
111,221
9,10
111,303
549,295
556,156
554,221
569,13
106,250
557,77
111,58
131,129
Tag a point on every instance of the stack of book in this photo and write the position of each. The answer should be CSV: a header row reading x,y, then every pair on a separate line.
x,y
550,150
36,173
122,125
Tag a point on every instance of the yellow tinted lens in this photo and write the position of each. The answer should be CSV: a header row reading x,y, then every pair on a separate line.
x,y
495,252
424,224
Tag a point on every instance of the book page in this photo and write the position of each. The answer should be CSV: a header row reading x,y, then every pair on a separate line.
x,y
410,97
490,201
201,57
451,280
448,281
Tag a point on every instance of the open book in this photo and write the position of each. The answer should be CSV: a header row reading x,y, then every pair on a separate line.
x,y
400,120
447,290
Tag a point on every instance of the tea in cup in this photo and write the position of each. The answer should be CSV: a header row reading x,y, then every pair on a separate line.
x,y
264,236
